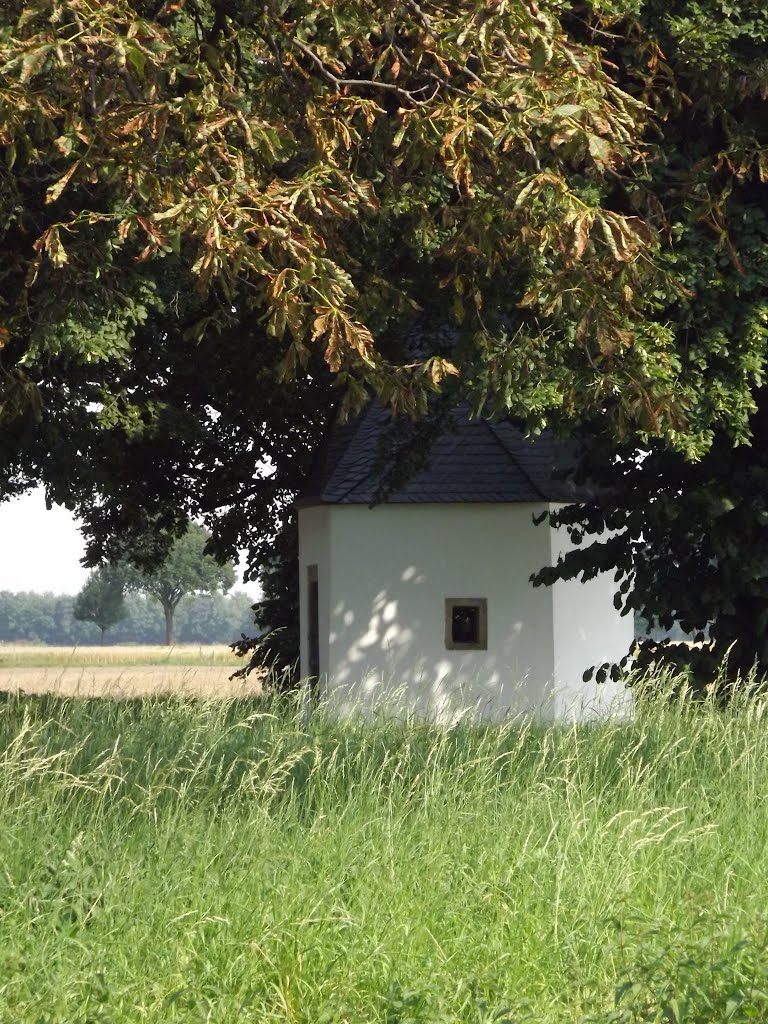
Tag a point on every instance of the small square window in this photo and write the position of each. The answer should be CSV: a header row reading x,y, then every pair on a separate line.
x,y
466,624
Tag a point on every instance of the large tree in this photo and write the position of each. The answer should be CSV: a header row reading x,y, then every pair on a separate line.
x,y
325,168
188,568
688,541
218,217
215,218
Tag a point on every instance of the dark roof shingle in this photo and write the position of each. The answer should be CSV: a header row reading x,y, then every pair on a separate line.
x,y
478,461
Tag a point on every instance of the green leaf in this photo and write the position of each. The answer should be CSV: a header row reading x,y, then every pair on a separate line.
x,y
136,58
568,109
541,53
33,62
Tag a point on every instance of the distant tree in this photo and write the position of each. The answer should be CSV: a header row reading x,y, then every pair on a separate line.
x,y
143,623
214,618
26,617
102,599
188,569
49,619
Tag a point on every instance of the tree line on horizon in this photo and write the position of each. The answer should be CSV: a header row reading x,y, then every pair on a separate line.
x,y
47,618
124,603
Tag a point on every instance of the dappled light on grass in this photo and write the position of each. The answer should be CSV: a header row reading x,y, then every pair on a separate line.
x,y
177,860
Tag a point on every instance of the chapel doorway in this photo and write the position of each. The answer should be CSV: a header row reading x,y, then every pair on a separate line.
x,y
313,623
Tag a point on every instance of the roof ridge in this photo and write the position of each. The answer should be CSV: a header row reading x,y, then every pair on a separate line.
x,y
515,460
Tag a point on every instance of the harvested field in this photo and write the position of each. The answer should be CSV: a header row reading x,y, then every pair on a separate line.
x,y
131,681
193,671
12,655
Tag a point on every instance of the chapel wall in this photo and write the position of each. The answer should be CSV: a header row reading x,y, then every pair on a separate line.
x,y
393,566
588,631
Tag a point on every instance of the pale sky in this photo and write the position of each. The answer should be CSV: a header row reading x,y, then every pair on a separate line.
x,y
41,550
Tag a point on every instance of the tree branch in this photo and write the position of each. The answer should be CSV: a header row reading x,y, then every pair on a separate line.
x,y
514,62
199,26
423,19
426,24
274,46
131,86
356,83
218,26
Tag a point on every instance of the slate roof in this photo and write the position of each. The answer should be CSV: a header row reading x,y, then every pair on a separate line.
x,y
477,461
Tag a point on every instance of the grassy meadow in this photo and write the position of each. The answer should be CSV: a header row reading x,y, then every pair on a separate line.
x,y
221,861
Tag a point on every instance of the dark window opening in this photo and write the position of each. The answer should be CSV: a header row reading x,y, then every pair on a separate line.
x,y
466,624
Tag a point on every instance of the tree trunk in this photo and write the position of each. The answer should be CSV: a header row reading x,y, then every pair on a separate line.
x,y
168,609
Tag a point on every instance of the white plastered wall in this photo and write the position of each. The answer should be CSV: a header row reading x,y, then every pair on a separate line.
x,y
384,574
393,566
588,630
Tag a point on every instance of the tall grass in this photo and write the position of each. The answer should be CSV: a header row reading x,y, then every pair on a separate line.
x,y
180,861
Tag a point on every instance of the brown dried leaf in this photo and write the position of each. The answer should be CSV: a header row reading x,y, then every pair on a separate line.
x,y
581,231
333,346
58,187
320,325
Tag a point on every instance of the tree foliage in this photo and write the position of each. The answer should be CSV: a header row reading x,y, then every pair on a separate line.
x,y
688,541
329,167
276,647
188,568
101,599
218,219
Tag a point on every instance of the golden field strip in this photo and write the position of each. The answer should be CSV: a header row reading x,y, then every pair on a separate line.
x,y
123,671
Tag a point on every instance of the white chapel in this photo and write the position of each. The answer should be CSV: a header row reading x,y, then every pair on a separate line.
x,y
423,602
